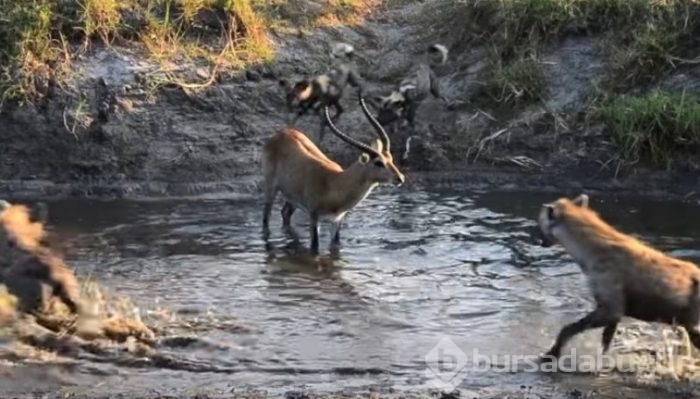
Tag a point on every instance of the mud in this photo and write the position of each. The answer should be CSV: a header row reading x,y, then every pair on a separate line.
x,y
134,141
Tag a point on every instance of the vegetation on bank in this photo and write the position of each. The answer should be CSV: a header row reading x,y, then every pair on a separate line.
x,y
643,37
656,126
641,40
39,39
514,84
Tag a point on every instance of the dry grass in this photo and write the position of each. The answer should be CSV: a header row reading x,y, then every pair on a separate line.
x,y
307,14
346,12
38,39
192,41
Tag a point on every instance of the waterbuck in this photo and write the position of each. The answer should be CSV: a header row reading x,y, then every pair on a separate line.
x,y
309,180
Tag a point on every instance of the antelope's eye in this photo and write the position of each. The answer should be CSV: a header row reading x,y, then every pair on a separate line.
x,y
379,163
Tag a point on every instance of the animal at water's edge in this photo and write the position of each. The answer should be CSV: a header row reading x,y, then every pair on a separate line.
x,y
28,268
626,276
323,90
401,105
308,179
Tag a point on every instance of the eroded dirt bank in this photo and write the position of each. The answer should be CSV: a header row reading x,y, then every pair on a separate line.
x,y
130,141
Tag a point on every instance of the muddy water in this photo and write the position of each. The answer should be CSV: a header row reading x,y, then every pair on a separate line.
x,y
417,265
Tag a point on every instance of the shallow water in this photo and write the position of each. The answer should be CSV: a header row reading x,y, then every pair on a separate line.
x,y
417,265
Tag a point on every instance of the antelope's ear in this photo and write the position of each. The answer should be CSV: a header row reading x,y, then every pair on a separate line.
x,y
377,145
364,158
581,200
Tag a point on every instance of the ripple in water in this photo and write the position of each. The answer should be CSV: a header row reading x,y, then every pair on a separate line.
x,y
416,266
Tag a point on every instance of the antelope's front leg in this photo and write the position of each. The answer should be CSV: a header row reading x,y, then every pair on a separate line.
x,y
313,232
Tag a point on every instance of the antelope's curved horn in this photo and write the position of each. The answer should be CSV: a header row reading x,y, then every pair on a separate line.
x,y
377,126
349,140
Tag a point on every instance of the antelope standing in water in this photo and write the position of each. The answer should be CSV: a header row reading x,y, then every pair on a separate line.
x,y
309,180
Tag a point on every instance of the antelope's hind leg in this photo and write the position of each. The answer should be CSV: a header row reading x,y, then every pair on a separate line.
x,y
335,234
313,232
287,212
270,194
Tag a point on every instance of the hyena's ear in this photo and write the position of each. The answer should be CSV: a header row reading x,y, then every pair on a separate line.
x,y
581,200
551,211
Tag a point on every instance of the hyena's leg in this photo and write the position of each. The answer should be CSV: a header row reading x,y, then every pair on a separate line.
x,y
608,334
287,211
600,317
694,335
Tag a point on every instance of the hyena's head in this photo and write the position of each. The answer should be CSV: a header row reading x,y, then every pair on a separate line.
x,y
552,214
19,230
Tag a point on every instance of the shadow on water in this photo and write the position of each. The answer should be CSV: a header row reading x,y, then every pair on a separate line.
x,y
415,266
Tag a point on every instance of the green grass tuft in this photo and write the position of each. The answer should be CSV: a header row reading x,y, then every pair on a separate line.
x,y
644,37
519,83
656,126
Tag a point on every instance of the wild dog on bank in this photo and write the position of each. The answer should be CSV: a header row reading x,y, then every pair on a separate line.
x,y
401,105
626,276
308,179
325,90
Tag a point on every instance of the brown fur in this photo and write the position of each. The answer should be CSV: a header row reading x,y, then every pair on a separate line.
x,y
307,178
627,277
28,269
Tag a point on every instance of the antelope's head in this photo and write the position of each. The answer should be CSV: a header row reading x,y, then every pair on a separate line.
x,y
376,160
552,215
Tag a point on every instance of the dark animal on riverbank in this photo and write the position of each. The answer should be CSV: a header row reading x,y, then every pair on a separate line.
x,y
401,105
323,90
627,277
